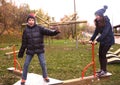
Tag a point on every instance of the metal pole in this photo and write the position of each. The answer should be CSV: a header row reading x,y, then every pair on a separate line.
x,y
75,24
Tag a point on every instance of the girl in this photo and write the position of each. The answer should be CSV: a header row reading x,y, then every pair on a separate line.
x,y
106,38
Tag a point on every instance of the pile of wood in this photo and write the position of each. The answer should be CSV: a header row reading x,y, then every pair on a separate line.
x,y
113,57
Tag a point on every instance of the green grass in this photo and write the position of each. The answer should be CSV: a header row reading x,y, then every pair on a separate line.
x,y
64,61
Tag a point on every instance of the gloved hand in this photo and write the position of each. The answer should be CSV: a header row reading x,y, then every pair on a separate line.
x,y
20,55
58,31
56,28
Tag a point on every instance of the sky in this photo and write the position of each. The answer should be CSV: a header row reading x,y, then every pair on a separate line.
x,y
84,8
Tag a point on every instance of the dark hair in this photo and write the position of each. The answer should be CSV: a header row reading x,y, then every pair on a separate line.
x,y
100,23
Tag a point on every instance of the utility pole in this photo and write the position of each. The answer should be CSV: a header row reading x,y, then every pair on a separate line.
x,y
75,24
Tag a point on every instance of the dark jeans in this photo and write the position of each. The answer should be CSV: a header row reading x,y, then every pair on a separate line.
x,y
103,49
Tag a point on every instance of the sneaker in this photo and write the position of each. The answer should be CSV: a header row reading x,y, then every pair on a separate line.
x,y
47,79
22,82
101,73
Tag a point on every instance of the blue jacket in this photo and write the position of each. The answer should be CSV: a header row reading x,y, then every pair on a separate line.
x,y
33,40
106,33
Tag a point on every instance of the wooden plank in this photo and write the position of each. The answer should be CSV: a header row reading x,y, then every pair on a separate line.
x,y
9,53
35,79
62,23
117,52
38,80
113,60
6,48
67,22
110,56
109,52
89,80
79,81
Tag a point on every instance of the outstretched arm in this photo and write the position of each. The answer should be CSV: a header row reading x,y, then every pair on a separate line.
x,y
49,32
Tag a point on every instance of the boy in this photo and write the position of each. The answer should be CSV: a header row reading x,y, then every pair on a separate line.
x,y
33,43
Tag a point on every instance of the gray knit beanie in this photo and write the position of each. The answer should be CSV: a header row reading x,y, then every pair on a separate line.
x,y
101,12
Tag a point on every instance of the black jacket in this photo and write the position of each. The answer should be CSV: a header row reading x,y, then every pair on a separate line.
x,y
33,40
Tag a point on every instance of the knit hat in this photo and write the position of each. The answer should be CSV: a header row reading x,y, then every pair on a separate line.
x,y
31,15
101,12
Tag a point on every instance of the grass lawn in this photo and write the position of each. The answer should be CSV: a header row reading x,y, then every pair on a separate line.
x,y
64,61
